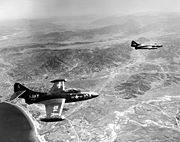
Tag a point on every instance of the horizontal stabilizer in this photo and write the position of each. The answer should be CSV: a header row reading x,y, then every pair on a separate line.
x,y
17,94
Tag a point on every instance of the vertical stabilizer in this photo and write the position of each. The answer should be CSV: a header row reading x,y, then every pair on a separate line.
x,y
134,44
19,90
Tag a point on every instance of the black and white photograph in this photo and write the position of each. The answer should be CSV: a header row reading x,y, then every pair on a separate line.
x,y
89,70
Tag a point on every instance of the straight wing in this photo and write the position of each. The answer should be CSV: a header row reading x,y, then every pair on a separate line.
x,y
54,107
58,86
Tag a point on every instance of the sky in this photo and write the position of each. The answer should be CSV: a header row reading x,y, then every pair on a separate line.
x,y
15,9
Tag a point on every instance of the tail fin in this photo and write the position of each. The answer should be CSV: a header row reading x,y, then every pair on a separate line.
x,y
19,90
19,87
134,44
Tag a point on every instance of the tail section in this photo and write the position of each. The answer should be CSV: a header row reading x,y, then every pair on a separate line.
x,y
18,87
19,91
134,44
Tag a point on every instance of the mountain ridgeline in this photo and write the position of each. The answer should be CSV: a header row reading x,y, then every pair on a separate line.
x,y
94,49
67,62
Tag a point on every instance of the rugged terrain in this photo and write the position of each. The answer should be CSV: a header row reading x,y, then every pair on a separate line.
x,y
139,89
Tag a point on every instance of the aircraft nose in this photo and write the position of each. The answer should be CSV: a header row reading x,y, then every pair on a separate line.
x,y
94,94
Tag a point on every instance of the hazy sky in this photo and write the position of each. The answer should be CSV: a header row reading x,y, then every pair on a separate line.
x,y
51,8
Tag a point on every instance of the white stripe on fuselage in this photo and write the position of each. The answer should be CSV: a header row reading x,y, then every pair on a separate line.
x,y
85,95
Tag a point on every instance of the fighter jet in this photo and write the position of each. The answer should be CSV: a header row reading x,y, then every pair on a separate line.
x,y
145,46
53,100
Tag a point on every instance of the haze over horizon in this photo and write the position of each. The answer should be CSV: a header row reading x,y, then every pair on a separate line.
x,y
17,9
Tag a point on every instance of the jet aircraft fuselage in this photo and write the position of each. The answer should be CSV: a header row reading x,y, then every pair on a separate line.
x,y
145,46
38,97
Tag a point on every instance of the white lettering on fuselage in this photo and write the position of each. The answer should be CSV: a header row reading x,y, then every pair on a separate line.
x,y
34,96
55,108
54,114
